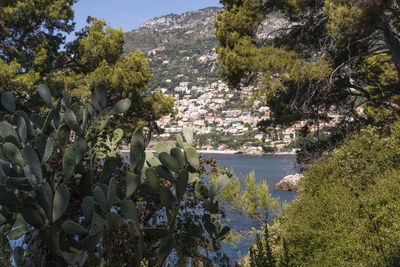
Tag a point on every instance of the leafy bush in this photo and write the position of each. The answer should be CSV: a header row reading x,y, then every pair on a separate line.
x,y
348,210
67,196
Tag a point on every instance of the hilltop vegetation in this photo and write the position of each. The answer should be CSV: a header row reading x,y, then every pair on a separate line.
x,y
347,212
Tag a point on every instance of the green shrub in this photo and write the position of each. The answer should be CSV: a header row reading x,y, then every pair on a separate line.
x,y
348,211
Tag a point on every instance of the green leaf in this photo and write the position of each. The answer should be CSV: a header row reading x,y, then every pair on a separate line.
x,y
7,129
188,134
77,108
48,120
132,182
32,163
85,119
19,220
13,183
70,119
37,121
224,232
109,166
22,115
69,163
63,135
112,193
169,162
100,198
91,241
99,98
61,202
114,222
151,160
181,184
16,233
209,225
192,157
166,197
48,151
161,147
147,189
137,150
22,130
73,228
219,185
32,216
117,136
13,154
212,244
165,173
128,209
201,191
121,106
88,207
178,156
193,177
45,94
140,248
18,255
80,147
179,140
133,229
66,98
40,140
7,198
97,224
8,101
156,232
46,198
104,187
153,179
166,245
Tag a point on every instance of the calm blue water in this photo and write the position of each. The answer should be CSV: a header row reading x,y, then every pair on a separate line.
x,y
271,168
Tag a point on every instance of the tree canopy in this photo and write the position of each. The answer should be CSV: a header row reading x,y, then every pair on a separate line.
x,y
326,55
348,205
33,50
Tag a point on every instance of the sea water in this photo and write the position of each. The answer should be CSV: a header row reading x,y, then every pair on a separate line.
x,y
271,168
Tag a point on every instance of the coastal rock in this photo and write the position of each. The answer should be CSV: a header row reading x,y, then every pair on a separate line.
x,y
289,182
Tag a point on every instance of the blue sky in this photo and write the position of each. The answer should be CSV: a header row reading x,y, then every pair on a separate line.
x,y
129,14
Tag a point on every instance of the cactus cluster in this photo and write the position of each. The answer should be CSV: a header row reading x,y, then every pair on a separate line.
x,y
67,197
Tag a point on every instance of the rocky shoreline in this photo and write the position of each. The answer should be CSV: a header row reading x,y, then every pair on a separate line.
x,y
289,182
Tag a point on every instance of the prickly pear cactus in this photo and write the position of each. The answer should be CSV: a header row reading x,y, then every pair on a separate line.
x,y
69,197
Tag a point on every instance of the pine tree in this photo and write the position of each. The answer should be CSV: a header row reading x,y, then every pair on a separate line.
x,y
334,54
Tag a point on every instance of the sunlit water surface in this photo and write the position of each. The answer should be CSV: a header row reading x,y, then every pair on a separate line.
x,y
271,168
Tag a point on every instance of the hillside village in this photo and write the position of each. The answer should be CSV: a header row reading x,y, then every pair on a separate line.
x,y
184,63
222,117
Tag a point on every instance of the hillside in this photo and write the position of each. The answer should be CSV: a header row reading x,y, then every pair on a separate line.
x,y
180,47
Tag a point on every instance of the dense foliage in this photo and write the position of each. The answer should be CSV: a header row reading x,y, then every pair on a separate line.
x,y
347,213
67,196
33,50
326,55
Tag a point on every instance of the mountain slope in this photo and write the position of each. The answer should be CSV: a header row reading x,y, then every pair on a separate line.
x,y
180,47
